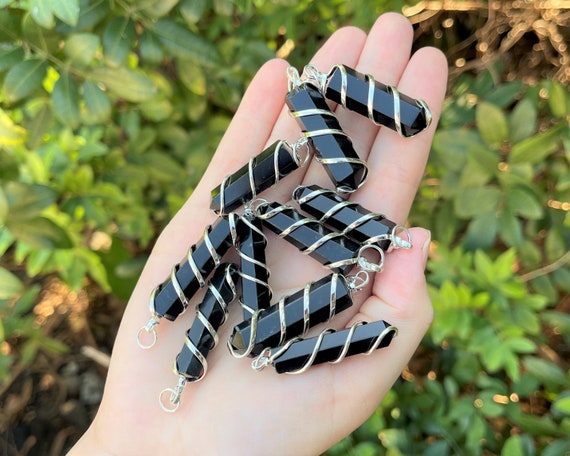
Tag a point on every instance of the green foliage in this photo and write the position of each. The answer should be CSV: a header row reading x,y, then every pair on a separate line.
x,y
110,112
495,376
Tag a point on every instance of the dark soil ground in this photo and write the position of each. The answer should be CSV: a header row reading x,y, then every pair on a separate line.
x,y
46,407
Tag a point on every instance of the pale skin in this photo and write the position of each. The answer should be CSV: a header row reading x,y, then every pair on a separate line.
x,y
235,410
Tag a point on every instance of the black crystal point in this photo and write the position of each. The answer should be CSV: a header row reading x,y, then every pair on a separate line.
x,y
210,315
331,249
265,170
332,147
191,274
298,356
293,315
355,221
414,115
255,290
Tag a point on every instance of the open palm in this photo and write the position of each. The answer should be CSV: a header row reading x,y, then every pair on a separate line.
x,y
236,410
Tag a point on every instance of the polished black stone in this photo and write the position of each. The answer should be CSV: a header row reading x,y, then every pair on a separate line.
x,y
328,146
298,354
166,301
325,200
254,295
268,332
187,363
238,188
336,249
412,117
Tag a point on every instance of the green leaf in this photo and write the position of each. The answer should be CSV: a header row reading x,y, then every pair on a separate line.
x,y
40,233
520,345
118,39
81,47
192,10
91,12
510,229
536,148
10,134
151,50
452,146
24,78
42,13
184,43
3,207
513,447
39,125
473,201
481,232
562,404
10,285
10,25
127,84
492,124
65,99
97,102
546,371
10,55
28,201
66,10
522,202
523,120
193,77
558,100
159,8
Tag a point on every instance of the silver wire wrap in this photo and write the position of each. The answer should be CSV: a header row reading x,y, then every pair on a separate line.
x,y
298,157
396,242
267,358
294,82
254,261
255,207
312,75
150,327
281,312
176,392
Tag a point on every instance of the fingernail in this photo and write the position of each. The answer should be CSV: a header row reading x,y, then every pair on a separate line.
x,y
425,247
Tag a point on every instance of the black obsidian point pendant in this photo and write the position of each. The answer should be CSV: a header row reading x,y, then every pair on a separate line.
x,y
261,172
333,250
331,346
254,273
171,298
331,145
381,103
292,316
350,218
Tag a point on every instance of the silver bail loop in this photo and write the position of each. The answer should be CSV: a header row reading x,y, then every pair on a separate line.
x,y
312,75
294,80
172,403
149,328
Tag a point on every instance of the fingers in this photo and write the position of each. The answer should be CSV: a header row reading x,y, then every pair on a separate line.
x,y
396,164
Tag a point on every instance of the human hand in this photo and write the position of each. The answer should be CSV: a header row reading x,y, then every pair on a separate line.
x,y
236,410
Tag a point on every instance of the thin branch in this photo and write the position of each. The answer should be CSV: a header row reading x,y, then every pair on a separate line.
x,y
546,269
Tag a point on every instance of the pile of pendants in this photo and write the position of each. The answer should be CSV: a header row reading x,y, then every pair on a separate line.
x,y
336,232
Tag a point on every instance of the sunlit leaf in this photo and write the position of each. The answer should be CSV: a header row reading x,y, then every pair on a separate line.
x,y
24,78
81,47
10,134
65,99
10,285
492,124
558,100
127,84
159,8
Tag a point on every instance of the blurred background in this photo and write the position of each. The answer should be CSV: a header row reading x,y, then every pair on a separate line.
x,y
109,114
